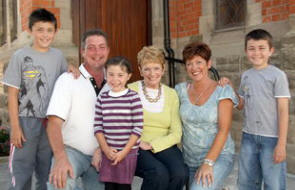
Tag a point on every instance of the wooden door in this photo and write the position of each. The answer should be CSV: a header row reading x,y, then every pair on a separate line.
x,y
127,23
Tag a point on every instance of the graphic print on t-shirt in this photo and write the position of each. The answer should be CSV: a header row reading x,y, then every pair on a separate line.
x,y
33,89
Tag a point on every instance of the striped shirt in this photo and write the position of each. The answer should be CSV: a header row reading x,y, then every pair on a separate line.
x,y
118,117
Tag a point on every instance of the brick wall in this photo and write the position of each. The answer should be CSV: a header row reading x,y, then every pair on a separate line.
x,y
184,17
276,10
25,10
185,14
27,6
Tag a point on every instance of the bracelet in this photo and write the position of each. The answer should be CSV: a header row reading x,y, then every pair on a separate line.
x,y
209,162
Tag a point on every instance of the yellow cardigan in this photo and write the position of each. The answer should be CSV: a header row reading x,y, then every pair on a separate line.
x,y
162,130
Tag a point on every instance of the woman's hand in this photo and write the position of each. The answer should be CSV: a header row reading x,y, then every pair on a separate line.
x,y
205,174
145,146
96,159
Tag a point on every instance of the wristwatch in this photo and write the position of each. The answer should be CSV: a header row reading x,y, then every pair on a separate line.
x,y
209,162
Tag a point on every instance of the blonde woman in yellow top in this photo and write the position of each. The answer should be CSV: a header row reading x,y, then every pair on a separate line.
x,y
160,162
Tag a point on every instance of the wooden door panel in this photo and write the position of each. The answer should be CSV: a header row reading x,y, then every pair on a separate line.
x,y
127,23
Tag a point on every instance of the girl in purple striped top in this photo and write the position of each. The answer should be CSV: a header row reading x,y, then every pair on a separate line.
x,y
118,126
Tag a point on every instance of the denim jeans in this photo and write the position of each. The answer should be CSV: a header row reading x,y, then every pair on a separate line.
x,y
256,164
221,169
164,170
81,164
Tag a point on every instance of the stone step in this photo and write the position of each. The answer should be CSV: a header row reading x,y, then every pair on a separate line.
x,y
230,183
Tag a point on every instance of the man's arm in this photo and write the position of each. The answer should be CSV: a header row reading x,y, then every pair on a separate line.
x,y
62,166
283,119
17,137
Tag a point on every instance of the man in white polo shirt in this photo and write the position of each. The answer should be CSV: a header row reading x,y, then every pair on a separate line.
x,y
71,116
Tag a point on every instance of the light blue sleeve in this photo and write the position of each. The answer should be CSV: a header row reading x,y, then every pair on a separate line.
x,y
227,92
179,88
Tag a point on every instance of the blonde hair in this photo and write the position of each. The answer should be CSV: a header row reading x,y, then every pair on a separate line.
x,y
150,54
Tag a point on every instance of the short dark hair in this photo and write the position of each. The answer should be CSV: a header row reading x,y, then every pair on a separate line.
x,y
42,15
93,32
120,61
259,34
196,49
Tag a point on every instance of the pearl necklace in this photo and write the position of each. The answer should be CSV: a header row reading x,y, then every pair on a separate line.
x,y
145,93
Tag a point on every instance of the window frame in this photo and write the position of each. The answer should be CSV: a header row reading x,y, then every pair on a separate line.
x,y
9,27
219,26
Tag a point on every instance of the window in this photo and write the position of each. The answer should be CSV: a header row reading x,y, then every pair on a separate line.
x,y
230,13
8,20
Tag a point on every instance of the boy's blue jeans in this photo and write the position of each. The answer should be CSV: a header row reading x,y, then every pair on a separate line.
x,y
256,164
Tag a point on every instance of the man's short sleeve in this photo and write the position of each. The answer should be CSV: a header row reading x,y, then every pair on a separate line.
x,y
281,86
13,73
60,102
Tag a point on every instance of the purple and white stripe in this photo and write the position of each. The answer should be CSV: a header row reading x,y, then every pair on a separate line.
x,y
119,117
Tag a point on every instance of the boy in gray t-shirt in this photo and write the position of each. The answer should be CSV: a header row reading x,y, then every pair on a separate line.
x,y
264,96
30,77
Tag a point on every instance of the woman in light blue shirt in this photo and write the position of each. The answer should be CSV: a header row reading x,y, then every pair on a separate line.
x,y
206,113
